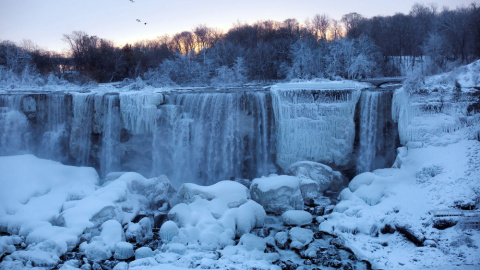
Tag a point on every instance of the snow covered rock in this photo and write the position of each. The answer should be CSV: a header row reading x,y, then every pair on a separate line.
x,y
143,263
121,266
244,218
96,250
123,251
112,233
139,232
168,231
281,240
231,193
296,218
277,193
250,242
143,252
7,244
300,237
322,174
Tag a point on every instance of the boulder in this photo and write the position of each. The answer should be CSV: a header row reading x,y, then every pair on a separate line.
x,y
296,218
322,174
168,230
143,252
123,251
300,237
277,193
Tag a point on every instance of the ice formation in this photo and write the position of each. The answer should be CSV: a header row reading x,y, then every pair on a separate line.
x,y
314,125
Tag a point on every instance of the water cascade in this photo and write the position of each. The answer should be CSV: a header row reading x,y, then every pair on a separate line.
x,y
201,136
377,134
212,136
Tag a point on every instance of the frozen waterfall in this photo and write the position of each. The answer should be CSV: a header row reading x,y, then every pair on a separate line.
x,y
315,125
201,136
212,136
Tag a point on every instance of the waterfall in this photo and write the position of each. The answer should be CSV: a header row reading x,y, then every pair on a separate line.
x,y
14,126
377,133
55,124
207,137
82,124
110,154
314,125
201,136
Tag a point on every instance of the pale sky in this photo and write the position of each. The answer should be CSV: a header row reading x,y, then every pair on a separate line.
x,y
45,21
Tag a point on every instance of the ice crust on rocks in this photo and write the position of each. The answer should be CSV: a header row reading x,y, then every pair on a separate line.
x,y
277,193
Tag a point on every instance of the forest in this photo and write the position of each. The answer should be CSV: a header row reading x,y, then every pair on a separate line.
x,y
427,39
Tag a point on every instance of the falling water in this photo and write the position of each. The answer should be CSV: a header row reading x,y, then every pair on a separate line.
x,y
110,154
377,135
81,133
207,137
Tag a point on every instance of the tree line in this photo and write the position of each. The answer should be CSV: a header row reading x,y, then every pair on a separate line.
x,y
354,47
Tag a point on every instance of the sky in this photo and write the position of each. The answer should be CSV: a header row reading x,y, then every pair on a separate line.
x,y
46,21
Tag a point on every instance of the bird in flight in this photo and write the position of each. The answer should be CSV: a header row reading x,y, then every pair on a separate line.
x,y
132,1
138,20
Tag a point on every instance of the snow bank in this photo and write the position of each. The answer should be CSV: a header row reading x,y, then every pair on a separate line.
x,y
429,178
320,84
33,189
51,205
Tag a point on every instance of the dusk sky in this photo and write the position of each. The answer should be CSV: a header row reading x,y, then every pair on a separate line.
x,y
44,22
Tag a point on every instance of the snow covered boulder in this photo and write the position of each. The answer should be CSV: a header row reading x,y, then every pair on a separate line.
x,y
300,237
363,179
168,231
143,252
157,190
112,233
139,232
96,250
320,173
277,193
123,251
244,218
231,193
251,242
281,240
296,218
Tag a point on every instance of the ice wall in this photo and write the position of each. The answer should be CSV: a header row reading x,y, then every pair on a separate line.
x,y
377,133
314,125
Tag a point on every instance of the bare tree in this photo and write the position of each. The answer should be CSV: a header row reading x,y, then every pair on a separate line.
x,y
321,23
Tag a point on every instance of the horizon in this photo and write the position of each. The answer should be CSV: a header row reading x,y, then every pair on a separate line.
x,y
38,21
